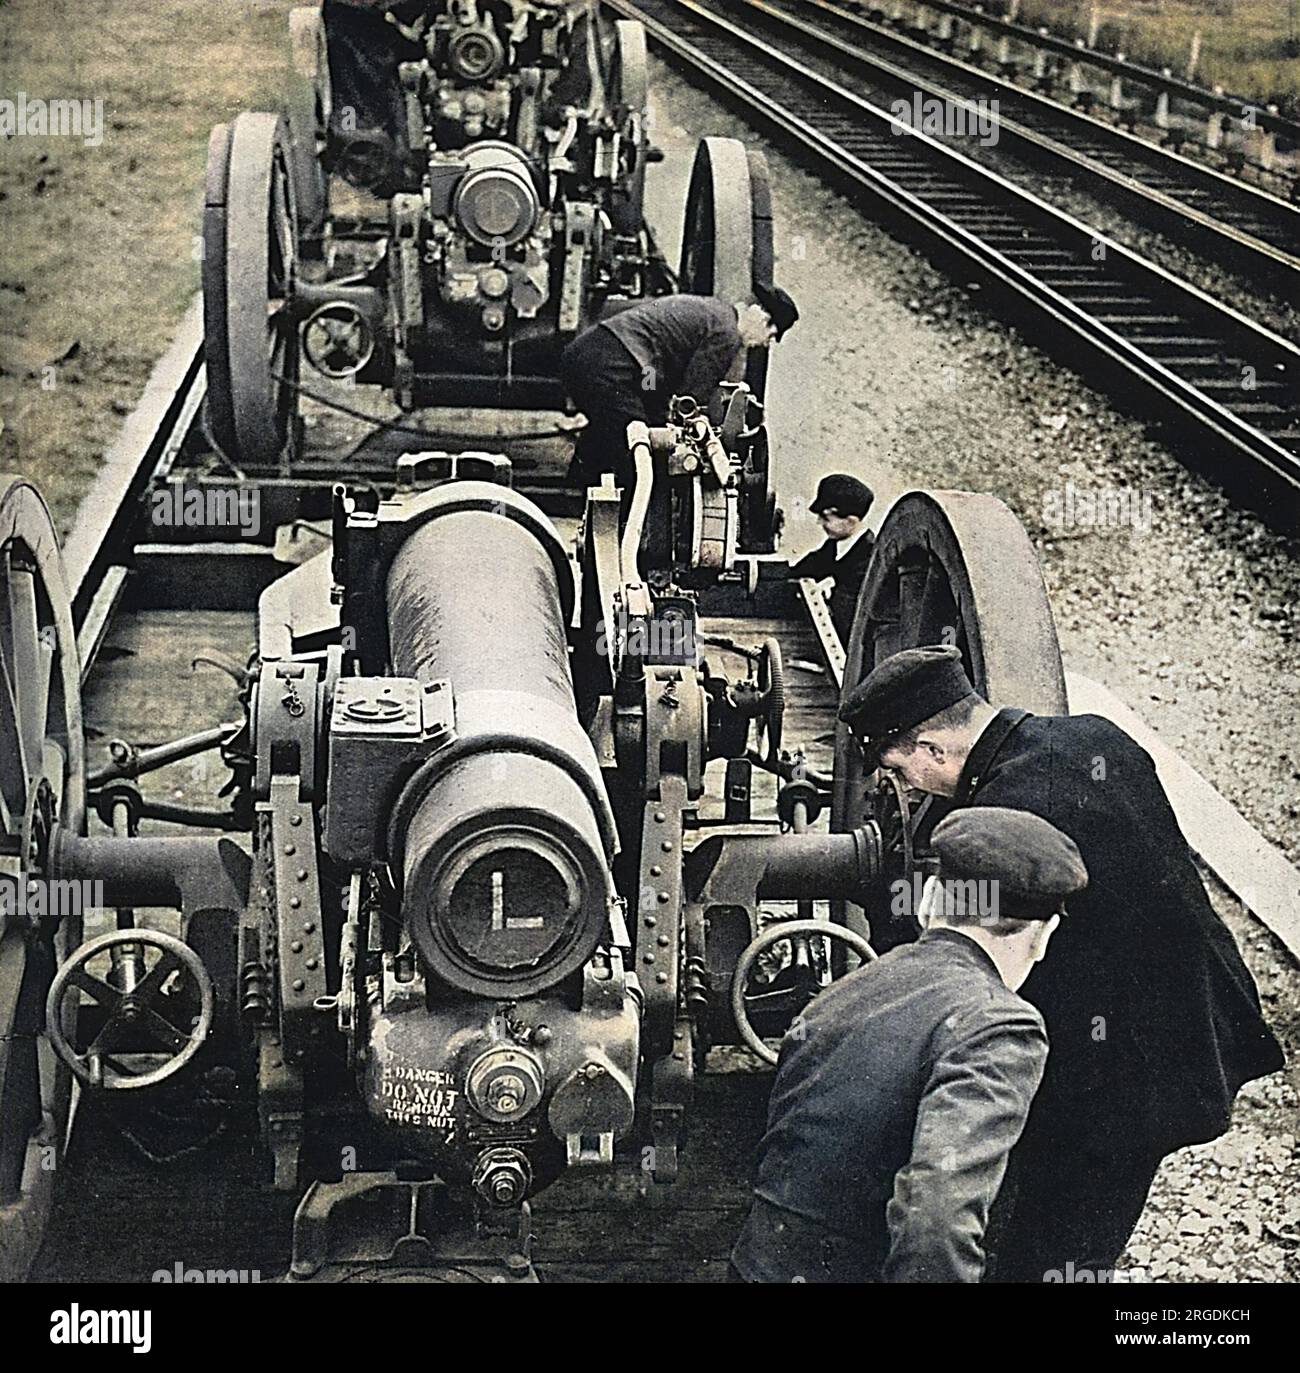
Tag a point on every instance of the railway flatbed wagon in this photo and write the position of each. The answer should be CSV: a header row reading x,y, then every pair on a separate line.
x,y
446,830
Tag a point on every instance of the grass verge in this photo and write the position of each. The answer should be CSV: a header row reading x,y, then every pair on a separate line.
x,y
101,247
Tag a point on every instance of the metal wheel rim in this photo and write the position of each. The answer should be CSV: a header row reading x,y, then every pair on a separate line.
x,y
309,115
718,239
37,647
762,262
249,264
966,557
631,93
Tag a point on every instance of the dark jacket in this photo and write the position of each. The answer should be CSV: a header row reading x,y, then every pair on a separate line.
x,y
364,52
848,572
685,345
1152,1016
898,1096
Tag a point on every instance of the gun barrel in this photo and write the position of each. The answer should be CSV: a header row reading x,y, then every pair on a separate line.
x,y
505,835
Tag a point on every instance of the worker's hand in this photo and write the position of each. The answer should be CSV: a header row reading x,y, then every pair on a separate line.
x,y
825,586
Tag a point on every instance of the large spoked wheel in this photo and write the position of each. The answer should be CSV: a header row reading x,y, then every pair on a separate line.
x,y
630,94
309,105
949,567
42,783
727,241
718,238
952,567
761,1013
250,239
762,256
727,246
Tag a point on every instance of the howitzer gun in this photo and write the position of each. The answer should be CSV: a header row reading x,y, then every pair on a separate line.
x,y
475,918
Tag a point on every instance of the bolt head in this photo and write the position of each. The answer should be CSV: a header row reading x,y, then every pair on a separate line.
x,y
507,1093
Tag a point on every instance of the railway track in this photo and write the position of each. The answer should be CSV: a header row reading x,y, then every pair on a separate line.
x,y
1225,386
1168,105
1228,219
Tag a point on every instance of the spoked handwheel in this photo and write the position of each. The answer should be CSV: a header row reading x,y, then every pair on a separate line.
x,y
629,94
42,783
949,567
771,695
765,1012
143,1002
250,244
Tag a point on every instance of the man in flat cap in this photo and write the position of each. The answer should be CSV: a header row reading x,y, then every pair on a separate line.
x,y
902,1088
841,505
628,367
1153,1018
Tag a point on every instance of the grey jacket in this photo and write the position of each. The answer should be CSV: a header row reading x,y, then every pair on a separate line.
x,y
898,1097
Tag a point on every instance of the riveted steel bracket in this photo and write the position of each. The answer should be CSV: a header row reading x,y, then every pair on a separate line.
x,y
300,941
659,913
579,233
672,1087
279,1108
828,639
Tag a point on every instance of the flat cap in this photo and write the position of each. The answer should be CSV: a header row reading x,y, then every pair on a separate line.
x,y
1030,864
904,690
780,307
843,493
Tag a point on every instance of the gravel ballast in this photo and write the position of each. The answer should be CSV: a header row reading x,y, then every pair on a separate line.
x,y
1187,608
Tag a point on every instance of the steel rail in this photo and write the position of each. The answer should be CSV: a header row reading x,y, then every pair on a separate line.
x,y
1197,361
1075,50
1218,214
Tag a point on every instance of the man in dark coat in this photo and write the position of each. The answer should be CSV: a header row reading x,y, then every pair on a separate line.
x,y
841,504
1153,1019
628,367
901,1090
365,50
